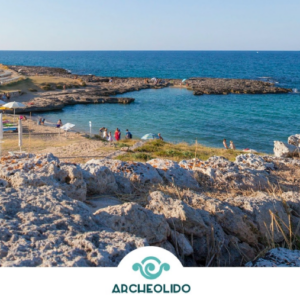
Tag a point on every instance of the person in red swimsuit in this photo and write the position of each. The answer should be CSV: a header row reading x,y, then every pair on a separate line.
x,y
117,134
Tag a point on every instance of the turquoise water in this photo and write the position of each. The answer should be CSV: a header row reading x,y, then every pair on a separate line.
x,y
253,121
180,116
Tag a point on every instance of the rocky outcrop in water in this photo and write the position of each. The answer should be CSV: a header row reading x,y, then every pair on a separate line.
x,y
101,89
56,101
224,86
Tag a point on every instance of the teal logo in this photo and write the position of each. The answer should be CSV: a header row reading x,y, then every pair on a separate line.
x,y
146,268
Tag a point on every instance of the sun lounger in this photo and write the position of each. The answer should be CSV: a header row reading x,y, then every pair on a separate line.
x,y
15,129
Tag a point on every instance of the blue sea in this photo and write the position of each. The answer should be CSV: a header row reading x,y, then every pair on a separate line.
x,y
251,121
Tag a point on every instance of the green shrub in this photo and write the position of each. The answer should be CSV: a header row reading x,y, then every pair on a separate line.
x,y
46,88
120,145
175,153
151,146
141,156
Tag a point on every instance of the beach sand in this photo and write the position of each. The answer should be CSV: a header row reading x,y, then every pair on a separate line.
x,y
71,146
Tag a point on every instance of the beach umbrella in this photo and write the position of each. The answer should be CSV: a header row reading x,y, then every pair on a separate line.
x,y
20,132
14,105
67,126
150,136
183,80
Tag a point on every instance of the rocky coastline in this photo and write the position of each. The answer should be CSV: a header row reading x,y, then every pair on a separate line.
x,y
99,89
55,213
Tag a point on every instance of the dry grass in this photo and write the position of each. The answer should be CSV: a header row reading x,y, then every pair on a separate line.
x,y
38,82
177,152
34,143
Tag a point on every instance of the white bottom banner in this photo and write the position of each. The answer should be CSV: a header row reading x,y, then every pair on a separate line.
x,y
148,272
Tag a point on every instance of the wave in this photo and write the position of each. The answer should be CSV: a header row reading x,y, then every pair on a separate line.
x,y
295,91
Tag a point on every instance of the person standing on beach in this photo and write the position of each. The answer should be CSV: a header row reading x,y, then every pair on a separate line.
x,y
110,138
101,130
59,123
232,146
160,137
128,134
224,143
117,134
105,133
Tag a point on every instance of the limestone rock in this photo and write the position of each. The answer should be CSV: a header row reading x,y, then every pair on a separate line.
x,y
171,172
294,140
253,161
166,245
43,170
3,183
278,257
180,216
258,209
226,218
248,172
104,201
44,227
128,175
134,219
99,179
282,149
181,243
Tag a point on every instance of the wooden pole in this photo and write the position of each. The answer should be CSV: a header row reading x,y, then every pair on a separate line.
x,y
29,127
195,155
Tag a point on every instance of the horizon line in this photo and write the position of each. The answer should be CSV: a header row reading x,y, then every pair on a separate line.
x,y
155,50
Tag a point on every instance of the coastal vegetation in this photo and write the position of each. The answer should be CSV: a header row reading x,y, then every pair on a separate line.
x,y
176,152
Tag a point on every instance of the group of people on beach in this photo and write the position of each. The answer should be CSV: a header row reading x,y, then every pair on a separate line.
x,y
117,135
5,97
231,145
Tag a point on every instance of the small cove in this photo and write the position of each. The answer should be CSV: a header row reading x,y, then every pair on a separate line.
x,y
252,121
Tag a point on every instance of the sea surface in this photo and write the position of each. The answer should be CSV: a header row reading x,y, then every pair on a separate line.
x,y
251,121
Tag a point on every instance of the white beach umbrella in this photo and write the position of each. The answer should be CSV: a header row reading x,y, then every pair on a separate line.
x,y
14,105
150,136
67,126
20,132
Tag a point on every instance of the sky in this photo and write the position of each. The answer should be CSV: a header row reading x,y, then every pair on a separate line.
x,y
150,25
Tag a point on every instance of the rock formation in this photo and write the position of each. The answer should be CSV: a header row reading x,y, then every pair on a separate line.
x,y
101,89
50,214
